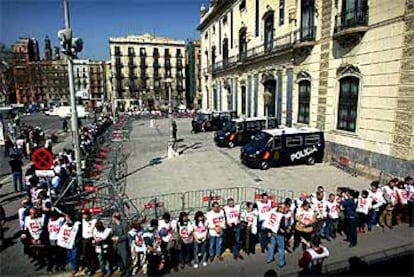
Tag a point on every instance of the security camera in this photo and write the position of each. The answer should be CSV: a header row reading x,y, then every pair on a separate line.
x,y
65,35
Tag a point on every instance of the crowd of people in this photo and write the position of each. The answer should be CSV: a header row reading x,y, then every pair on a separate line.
x,y
159,245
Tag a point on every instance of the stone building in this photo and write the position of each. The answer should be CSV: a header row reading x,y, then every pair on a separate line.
x,y
140,67
344,66
97,78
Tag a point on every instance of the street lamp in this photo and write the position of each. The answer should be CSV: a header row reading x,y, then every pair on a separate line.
x,y
71,46
171,140
267,96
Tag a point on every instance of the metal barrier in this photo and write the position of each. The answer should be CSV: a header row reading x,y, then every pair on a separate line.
x,y
192,201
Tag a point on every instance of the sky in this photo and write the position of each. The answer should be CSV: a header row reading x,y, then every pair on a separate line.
x,y
95,21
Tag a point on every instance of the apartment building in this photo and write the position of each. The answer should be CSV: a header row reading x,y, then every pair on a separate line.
x,y
344,66
144,67
193,74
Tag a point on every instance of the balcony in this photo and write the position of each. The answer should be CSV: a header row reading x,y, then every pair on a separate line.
x,y
179,65
118,64
351,24
304,37
277,47
132,76
143,65
167,64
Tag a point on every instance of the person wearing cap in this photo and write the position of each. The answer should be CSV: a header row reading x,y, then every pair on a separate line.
x,y
313,257
305,218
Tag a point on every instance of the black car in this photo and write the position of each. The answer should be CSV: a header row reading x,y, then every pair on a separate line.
x,y
239,132
211,121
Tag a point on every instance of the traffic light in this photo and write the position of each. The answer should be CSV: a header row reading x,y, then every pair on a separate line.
x,y
71,45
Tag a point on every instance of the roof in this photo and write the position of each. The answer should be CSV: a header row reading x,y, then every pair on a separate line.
x,y
287,131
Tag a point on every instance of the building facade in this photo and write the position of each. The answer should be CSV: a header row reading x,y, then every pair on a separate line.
x,y
192,73
344,66
141,68
97,78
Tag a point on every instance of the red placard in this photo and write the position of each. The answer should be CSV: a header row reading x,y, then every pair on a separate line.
x,y
42,159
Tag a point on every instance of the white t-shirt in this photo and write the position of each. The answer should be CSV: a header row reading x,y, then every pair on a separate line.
x,y
273,220
363,205
402,196
320,207
137,244
20,143
99,237
200,231
171,227
67,235
186,232
263,209
53,226
35,226
215,220
392,194
22,217
232,214
87,228
304,217
332,209
377,198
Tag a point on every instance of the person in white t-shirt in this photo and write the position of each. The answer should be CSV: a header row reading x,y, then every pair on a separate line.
x,y
166,228
332,216
185,230
232,213
137,245
200,238
34,232
101,239
364,204
390,195
55,253
249,219
264,205
90,259
216,222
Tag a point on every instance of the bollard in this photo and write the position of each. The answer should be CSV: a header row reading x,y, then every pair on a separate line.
x,y
152,123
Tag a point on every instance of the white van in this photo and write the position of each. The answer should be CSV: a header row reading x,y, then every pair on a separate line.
x,y
66,111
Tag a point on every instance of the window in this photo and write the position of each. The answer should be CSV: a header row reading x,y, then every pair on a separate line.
x,y
281,12
242,5
117,51
312,140
268,38
257,19
243,95
294,141
167,53
304,102
242,44
307,20
225,20
142,52
277,143
130,51
231,29
213,55
225,51
348,104
179,55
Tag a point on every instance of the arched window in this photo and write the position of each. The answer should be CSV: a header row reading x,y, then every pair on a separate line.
x,y
268,31
348,104
304,101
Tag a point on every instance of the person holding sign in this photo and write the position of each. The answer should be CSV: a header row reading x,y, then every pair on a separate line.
x,y
69,239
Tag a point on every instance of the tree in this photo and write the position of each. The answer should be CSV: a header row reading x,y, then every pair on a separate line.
x,y
6,75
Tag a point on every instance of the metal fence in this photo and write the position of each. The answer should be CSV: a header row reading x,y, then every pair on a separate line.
x,y
192,201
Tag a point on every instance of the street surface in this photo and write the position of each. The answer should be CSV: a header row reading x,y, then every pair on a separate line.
x,y
204,166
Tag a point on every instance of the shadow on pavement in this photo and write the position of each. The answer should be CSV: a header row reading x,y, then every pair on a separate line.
x,y
195,145
152,162
13,198
8,242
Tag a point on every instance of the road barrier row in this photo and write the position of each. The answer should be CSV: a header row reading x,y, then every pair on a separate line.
x,y
192,201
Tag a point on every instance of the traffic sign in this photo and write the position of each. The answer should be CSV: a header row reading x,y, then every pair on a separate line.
x,y
42,159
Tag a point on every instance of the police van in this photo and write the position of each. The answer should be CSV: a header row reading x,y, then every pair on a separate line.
x,y
284,146
240,131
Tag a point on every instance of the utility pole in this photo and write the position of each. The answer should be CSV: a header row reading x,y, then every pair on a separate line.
x,y
71,47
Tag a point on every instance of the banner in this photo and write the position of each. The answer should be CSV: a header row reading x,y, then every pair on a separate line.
x,y
1,134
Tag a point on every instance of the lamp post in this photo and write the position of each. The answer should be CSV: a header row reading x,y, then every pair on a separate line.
x,y
267,96
71,46
171,140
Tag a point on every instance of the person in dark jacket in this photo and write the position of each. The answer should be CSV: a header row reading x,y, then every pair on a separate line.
x,y
351,217
17,172
120,240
